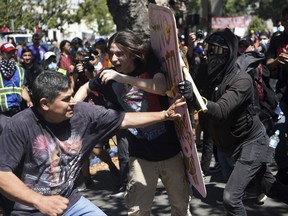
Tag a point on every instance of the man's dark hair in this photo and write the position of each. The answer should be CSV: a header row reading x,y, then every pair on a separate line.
x,y
36,36
132,42
49,84
76,41
25,49
62,44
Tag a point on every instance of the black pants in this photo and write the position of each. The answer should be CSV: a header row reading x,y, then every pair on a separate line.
x,y
123,154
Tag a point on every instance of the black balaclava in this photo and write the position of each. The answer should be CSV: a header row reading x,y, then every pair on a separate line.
x,y
222,54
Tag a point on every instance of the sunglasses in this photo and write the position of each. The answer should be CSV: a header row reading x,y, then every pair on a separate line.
x,y
216,50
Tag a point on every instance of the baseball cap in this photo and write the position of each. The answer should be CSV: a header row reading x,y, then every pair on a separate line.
x,y
246,41
100,40
48,54
7,47
216,40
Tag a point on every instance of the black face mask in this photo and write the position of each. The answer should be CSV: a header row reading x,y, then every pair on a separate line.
x,y
217,59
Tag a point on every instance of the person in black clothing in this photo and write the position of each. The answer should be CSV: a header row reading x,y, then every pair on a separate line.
x,y
233,123
277,62
32,70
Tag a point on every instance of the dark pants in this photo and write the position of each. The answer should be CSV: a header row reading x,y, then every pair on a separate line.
x,y
123,155
207,146
252,166
281,152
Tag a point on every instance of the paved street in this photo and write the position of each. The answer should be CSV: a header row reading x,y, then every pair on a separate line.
x,y
209,206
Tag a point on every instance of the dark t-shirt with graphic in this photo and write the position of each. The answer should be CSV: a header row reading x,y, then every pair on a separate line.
x,y
48,157
154,143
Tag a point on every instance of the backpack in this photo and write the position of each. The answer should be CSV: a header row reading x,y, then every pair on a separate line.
x,y
264,97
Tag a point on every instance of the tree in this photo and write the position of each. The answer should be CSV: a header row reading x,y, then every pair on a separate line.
x,y
235,7
271,9
131,15
54,14
11,13
258,25
96,10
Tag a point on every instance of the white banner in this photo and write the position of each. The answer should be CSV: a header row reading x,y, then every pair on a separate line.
x,y
228,22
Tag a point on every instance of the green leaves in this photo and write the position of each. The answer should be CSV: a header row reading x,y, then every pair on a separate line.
x,y
56,13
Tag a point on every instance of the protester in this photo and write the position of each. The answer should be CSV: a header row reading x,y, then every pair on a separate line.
x,y
245,45
66,59
233,123
77,45
32,70
135,83
4,28
38,50
43,148
55,49
12,89
101,46
197,60
277,62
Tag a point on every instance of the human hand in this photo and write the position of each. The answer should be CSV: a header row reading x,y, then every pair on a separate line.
x,y
192,38
52,205
80,67
171,112
283,58
185,89
110,74
29,103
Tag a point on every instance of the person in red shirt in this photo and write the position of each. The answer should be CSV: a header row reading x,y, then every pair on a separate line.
x,y
66,60
4,28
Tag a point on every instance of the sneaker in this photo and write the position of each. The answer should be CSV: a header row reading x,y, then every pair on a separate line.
x,y
215,169
119,193
212,170
261,199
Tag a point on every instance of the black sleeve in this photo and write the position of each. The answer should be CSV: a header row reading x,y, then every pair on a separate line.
x,y
238,93
95,83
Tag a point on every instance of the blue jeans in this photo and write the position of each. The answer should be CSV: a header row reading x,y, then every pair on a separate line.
x,y
252,166
84,207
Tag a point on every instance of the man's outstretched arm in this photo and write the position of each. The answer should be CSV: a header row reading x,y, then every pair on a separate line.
x,y
143,119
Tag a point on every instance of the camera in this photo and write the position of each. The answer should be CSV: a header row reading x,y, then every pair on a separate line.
x,y
86,60
199,34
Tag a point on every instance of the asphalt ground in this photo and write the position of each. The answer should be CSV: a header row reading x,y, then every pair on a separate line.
x,y
209,206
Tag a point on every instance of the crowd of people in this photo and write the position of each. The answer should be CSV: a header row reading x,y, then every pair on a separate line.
x,y
59,106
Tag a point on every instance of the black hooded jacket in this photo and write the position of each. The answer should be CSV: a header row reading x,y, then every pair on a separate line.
x,y
231,119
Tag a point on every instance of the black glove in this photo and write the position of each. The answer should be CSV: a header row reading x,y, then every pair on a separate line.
x,y
185,89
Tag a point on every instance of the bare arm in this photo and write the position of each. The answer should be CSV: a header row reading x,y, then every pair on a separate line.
x,y
82,92
26,96
143,119
17,191
272,63
156,85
